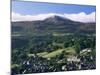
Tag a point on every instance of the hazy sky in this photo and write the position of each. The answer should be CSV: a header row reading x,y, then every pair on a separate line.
x,y
39,8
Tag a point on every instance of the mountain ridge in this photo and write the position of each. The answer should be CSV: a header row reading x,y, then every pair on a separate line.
x,y
53,24
53,16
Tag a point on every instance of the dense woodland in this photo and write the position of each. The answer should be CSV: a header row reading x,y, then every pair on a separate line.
x,y
55,44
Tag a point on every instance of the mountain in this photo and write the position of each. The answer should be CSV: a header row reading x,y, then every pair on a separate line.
x,y
57,19
53,24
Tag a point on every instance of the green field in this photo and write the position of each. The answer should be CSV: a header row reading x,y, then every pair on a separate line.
x,y
53,54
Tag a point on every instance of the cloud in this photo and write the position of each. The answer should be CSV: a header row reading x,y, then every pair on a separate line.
x,y
81,17
20,17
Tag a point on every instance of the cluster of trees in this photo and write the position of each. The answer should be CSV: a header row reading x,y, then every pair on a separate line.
x,y
39,65
36,44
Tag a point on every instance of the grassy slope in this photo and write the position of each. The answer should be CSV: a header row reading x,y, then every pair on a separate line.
x,y
68,51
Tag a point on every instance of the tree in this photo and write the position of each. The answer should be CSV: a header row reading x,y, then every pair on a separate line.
x,y
77,46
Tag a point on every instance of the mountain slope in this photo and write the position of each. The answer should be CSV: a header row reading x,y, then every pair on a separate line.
x,y
53,24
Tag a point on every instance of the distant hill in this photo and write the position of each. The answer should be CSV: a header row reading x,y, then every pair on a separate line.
x,y
53,24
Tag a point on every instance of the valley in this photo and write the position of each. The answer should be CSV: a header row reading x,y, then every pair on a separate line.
x,y
52,45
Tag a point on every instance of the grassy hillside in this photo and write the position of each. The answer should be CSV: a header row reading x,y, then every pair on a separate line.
x,y
53,54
